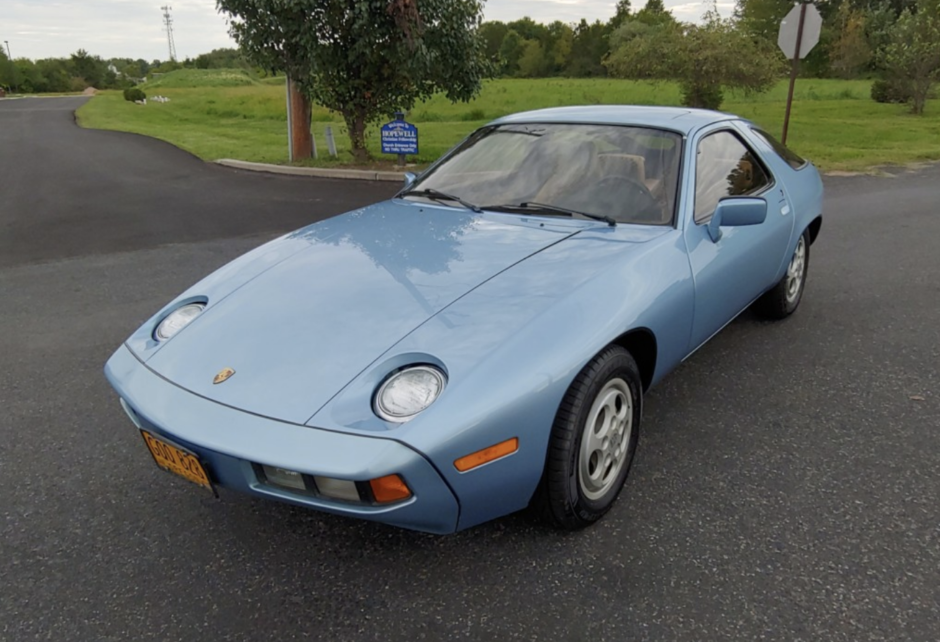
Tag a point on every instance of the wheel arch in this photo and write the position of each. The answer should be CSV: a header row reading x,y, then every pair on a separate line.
x,y
814,227
641,344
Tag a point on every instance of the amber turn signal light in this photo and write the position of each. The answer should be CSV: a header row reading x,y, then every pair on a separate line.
x,y
480,457
390,488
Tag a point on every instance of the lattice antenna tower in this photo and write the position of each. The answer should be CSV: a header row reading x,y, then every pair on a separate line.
x,y
168,25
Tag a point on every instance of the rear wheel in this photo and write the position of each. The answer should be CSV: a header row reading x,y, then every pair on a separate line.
x,y
593,442
784,298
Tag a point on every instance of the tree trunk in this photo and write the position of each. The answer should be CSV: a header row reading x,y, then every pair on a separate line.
x,y
920,89
356,124
300,109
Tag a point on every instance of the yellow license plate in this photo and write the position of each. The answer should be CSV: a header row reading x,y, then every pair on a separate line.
x,y
177,461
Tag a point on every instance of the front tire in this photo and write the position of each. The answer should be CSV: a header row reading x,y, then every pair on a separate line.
x,y
784,298
593,442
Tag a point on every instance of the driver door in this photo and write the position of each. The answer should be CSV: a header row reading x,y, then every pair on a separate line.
x,y
730,273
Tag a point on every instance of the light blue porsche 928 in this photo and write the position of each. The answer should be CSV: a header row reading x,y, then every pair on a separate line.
x,y
482,341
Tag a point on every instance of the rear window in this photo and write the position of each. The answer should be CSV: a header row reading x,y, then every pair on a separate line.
x,y
793,160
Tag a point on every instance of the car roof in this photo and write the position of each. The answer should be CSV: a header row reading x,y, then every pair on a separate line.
x,y
680,119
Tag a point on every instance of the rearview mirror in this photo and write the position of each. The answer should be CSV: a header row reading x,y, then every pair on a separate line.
x,y
735,212
410,178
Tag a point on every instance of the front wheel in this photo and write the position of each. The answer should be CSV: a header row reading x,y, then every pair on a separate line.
x,y
593,442
782,300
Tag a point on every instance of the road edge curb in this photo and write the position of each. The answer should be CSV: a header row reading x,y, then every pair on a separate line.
x,y
318,172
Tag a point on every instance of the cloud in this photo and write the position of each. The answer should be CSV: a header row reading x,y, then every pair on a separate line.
x,y
134,28
111,28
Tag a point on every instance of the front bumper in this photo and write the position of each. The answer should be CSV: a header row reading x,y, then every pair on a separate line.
x,y
229,441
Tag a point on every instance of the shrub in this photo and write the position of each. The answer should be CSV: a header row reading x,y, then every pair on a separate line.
x,y
700,95
134,94
886,91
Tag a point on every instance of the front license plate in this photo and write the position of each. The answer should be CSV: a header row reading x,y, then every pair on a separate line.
x,y
177,461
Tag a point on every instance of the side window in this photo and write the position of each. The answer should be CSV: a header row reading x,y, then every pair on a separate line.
x,y
794,160
725,167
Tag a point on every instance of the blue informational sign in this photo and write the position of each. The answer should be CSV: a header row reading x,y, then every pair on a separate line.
x,y
399,137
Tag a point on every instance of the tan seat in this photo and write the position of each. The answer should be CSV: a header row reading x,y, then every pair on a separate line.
x,y
578,163
618,165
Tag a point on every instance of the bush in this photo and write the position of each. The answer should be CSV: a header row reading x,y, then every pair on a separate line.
x,y
886,91
134,94
702,96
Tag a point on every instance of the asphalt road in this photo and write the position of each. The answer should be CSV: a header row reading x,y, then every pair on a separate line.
x,y
787,485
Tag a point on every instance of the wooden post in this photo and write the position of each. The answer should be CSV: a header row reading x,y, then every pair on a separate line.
x,y
298,123
794,70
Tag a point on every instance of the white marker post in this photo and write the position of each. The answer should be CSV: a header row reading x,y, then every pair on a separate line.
x,y
799,33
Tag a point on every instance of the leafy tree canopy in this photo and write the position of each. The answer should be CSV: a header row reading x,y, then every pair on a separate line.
x,y
621,14
366,58
654,13
9,74
704,59
226,58
913,55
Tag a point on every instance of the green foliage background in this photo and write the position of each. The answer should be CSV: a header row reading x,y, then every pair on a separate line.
x,y
835,123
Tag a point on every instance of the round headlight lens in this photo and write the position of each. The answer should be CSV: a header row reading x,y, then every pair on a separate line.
x,y
177,320
408,392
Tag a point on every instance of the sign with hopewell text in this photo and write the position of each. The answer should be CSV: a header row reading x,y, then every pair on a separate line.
x,y
790,28
399,137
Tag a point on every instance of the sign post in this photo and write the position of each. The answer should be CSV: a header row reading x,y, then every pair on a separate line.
x,y
399,137
799,33
300,142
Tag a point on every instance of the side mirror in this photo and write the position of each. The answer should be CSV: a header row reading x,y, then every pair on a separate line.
x,y
410,178
736,211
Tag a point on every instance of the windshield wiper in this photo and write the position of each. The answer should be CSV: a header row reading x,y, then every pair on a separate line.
x,y
564,211
442,196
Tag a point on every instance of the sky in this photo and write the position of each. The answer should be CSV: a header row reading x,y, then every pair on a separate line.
x,y
133,28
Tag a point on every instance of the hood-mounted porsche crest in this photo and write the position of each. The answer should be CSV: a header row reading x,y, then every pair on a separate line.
x,y
224,375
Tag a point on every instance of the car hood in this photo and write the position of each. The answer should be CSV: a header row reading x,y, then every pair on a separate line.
x,y
298,332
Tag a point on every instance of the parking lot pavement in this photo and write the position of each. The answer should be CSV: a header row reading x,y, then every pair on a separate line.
x,y
787,485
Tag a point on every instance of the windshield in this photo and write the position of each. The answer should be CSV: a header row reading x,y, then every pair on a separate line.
x,y
626,173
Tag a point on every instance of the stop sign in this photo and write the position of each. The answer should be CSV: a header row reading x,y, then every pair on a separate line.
x,y
789,30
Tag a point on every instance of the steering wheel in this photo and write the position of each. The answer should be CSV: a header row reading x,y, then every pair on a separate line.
x,y
643,205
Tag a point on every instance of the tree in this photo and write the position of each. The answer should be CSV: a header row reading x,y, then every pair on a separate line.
x,y
533,63
588,48
761,18
654,13
226,58
704,59
89,68
529,29
561,37
510,52
55,74
9,73
366,58
850,52
913,55
132,70
621,14
493,34
166,67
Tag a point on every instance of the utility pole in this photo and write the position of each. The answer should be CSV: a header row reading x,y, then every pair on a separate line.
x,y
168,25
10,56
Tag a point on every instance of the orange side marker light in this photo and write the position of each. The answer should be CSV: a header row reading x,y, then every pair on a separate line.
x,y
480,457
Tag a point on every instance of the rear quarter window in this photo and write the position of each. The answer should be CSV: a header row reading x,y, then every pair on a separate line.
x,y
792,159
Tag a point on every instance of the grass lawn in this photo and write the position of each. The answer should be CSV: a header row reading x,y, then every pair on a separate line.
x,y
224,114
